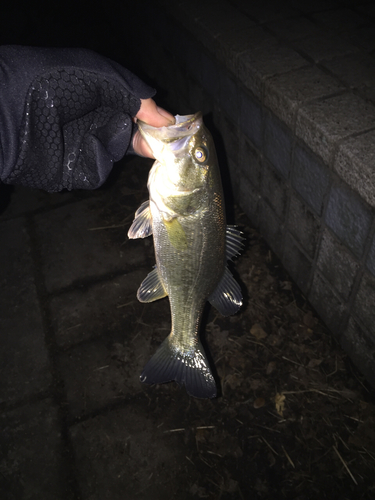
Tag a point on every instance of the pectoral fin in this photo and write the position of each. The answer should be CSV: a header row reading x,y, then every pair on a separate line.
x,y
151,288
142,224
176,234
234,242
227,298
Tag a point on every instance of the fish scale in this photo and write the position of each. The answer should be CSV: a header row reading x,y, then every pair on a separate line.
x,y
186,217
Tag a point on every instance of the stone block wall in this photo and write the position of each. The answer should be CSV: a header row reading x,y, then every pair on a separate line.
x,y
290,88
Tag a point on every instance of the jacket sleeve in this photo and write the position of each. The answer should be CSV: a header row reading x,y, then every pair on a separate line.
x,y
65,116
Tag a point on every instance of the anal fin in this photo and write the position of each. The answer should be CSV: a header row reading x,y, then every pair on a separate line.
x,y
151,288
227,298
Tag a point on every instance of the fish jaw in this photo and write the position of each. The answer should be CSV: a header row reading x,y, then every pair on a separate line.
x,y
177,168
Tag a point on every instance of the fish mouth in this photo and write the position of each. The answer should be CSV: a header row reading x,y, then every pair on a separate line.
x,y
185,126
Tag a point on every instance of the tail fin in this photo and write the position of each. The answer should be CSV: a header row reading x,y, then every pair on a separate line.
x,y
190,369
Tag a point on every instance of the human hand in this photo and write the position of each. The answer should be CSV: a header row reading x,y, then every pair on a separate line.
x,y
68,117
155,116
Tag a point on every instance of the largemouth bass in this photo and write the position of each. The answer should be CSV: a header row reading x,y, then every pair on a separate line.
x,y
185,214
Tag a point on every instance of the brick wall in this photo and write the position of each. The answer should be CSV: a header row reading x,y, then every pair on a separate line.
x,y
289,87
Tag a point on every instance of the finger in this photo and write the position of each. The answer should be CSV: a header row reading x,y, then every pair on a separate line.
x,y
153,115
141,147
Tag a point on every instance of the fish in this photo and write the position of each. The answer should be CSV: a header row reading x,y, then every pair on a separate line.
x,y
185,214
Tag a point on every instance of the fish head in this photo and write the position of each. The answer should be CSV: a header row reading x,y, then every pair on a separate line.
x,y
185,158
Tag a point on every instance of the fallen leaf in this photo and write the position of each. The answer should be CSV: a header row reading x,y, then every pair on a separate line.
x,y
270,367
314,362
259,402
258,331
233,380
255,384
279,403
309,320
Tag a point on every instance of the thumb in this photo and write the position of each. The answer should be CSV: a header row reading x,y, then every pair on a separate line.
x,y
153,115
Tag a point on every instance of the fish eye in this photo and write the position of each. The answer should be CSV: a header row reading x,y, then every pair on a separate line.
x,y
201,154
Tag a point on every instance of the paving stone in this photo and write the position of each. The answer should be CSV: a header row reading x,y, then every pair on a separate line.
x,y
185,13
248,198
25,200
177,92
255,65
311,6
324,46
367,93
340,20
367,8
337,265
354,70
267,10
371,258
127,454
360,347
293,29
278,144
304,225
31,457
98,310
327,304
271,227
210,79
354,163
274,190
364,303
250,162
24,363
228,136
229,100
199,98
243,190
251,119
362,37
219,17
349,218
70,251
310,178
237,41
106,370
210,20
183,43
296,263
285,93
322,124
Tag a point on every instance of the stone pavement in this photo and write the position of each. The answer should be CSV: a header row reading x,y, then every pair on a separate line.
x,y
69,322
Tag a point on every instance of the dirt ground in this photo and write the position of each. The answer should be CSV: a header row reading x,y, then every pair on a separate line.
x,y
294,418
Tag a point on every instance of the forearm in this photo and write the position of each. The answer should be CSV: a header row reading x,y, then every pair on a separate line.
x,y
65,116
